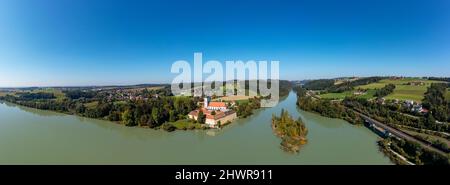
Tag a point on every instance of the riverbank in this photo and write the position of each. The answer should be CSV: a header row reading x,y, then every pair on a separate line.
x,y
183,124
406,147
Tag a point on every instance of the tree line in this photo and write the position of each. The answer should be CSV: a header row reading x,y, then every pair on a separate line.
x,y
386,90
329,85
325,107
413,152
245,109
435,101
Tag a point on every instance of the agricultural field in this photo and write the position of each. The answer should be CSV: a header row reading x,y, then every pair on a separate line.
x,y
341,95
402,90
369,94
233,98
238,88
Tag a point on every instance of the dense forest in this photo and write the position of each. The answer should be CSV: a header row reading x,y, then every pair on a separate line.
x,y
39,95
292,132
285,88
329,85
77,94
320,84
445,79
246,108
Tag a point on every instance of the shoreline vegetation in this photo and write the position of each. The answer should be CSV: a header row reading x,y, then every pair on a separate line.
x,y
292,132
427,119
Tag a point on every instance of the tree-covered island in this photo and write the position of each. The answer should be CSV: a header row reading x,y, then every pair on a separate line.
x,y
292,132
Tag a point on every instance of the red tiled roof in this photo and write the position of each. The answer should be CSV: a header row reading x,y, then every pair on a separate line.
x,y
217,104
207,113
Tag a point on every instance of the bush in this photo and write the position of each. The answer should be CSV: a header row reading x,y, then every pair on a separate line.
x,y
168,127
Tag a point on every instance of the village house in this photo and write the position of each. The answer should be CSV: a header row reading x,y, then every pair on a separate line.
x,y
419,108
359,93
216,113
380,101
416,83
409,103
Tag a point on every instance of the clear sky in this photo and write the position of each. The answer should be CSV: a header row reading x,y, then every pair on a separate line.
x,y
101,42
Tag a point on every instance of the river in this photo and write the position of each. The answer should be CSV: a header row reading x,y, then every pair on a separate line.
x,y
31,136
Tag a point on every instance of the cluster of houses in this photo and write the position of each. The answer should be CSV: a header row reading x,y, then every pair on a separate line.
x,y
216,113
415,106
127,94
410,104
359,92
416,83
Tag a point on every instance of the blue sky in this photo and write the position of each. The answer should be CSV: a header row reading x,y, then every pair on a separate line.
x,y
102,42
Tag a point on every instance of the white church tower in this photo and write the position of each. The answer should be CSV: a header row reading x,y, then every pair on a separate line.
x,y
206,101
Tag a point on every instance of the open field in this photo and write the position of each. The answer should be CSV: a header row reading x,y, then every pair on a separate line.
x,y
403,81
185,124
58,93
148,88
369,94
234,98
403,91
341,95
408,92
91,105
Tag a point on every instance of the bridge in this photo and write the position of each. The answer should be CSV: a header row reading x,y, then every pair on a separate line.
x,y
400,134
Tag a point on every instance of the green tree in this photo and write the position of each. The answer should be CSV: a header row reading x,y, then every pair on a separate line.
x,y
128,118
201,117
219,124
155,115
80,108
172,116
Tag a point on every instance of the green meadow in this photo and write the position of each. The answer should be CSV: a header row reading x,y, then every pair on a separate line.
x,y
369,94
402,90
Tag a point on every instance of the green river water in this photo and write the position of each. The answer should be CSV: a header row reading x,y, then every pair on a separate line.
x,y
31,136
